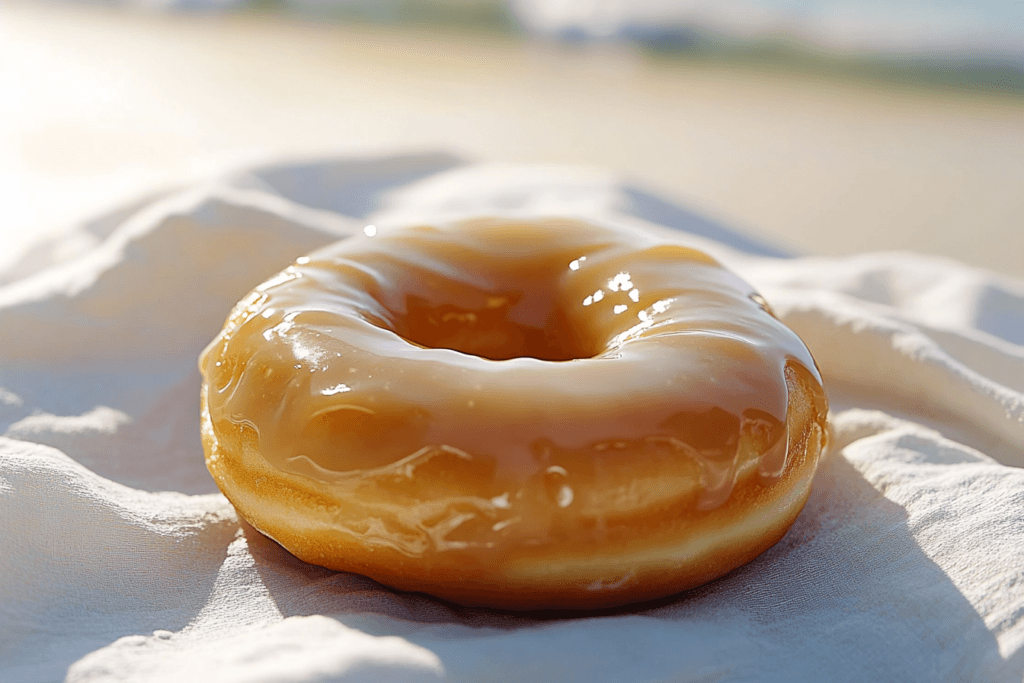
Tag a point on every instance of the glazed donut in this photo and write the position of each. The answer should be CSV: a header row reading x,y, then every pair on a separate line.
x,y
521,415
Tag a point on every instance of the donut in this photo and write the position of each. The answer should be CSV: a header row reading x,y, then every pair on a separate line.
x,y
515,414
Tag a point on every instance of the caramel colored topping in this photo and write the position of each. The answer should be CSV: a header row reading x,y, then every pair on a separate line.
x,y
495,385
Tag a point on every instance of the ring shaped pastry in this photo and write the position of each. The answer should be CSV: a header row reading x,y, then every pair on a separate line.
x,y
521,415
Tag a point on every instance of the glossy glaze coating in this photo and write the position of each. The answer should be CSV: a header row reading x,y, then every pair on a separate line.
x,y
470,395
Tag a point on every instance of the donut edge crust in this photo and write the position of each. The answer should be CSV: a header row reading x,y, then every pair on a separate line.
x,y
300,515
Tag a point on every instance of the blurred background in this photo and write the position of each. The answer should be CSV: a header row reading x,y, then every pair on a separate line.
x,y
822,126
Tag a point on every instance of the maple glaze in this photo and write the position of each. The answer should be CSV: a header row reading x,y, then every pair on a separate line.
x,y
495,389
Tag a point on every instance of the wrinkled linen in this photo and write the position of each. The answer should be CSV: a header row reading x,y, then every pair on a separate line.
x,y
120,561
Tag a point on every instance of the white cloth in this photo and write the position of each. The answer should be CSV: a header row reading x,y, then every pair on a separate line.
x,y
119,560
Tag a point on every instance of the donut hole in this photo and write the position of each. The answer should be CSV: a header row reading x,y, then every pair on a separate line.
x,y
495,290
494,325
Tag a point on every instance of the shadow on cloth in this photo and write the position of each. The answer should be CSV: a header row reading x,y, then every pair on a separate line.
x,y
656,210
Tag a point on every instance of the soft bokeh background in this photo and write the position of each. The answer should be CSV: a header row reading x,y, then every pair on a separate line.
x,y
825,127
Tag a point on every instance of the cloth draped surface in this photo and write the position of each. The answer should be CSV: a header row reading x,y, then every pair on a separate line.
x,y
119,561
